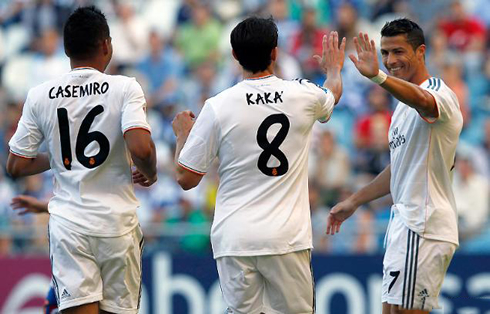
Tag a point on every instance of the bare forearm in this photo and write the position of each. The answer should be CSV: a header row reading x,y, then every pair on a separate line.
x,y
147,165
377,188
178,148
334,83
21,167
412,95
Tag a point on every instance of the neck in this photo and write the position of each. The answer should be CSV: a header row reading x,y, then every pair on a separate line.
x,y
87,64
420,76
268,71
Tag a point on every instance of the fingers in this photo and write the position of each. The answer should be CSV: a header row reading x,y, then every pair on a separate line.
x,y
357,45
324,46
138,179
335,41
190,113
23,212
367,42
342,44
330,42
333,225
373,45
353,59
362,43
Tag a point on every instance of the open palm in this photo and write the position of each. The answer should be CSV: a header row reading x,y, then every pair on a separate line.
x,y
367,59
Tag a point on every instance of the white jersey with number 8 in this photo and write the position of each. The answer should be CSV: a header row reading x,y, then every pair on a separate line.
x,y
260,131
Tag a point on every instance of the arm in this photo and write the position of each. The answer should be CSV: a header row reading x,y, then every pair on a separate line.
x,y
29,204
18,166
412,95
182,125
377,188
143,153
408,93
331,62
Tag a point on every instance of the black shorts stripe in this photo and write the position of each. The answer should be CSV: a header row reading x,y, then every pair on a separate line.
x,y
142,246
410,282
53,278
313,284
406,270
415,269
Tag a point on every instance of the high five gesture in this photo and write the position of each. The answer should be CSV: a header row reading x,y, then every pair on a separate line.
x,y
332,62
367,59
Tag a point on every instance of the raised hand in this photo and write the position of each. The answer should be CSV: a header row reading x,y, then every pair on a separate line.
x,y
28,204
338,214
182,123
367,59
332,55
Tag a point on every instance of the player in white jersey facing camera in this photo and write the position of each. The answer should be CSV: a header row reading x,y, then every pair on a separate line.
x,y
260,131
423,233
93,125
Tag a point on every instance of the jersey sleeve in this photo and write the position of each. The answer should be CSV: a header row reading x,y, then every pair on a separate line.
x,y
134,108
325,101
446,101
28,136
201,146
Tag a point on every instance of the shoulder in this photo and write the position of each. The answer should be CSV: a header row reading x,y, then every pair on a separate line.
x,y
226,95
438,85
120,79
308,85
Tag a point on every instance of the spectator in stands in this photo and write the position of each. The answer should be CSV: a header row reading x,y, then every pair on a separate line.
x,y
471,192
319,213
452,74
194,236
464,32
7,190
198,39
349,23
371,133
306,42
287,27
329,167
162,68
50,61
200,85
129,34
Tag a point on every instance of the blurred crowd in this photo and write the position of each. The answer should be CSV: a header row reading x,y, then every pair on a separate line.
x,y
180,53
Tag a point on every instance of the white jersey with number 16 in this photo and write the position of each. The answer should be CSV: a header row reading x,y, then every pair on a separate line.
x,y
82,117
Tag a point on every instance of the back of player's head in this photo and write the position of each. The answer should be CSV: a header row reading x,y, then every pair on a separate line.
x,y
84,30
404,26
253,40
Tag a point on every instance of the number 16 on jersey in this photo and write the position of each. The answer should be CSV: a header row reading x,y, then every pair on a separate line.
x,y
84,138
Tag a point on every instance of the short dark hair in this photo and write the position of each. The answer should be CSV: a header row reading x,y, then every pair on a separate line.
x,y
84,30
253,40
415,34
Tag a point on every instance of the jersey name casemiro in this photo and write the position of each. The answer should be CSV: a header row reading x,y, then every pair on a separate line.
x,y
422,158
82,116
260,131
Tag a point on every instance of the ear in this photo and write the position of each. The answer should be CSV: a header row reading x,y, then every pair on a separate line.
x,y
234,54
274,53
106,46
420,51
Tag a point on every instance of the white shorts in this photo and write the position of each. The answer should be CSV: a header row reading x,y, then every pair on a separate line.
x,y
272,284
413,268
88,269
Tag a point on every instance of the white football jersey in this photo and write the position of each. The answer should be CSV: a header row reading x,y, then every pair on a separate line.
x,y
82,117
260,131
422,158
